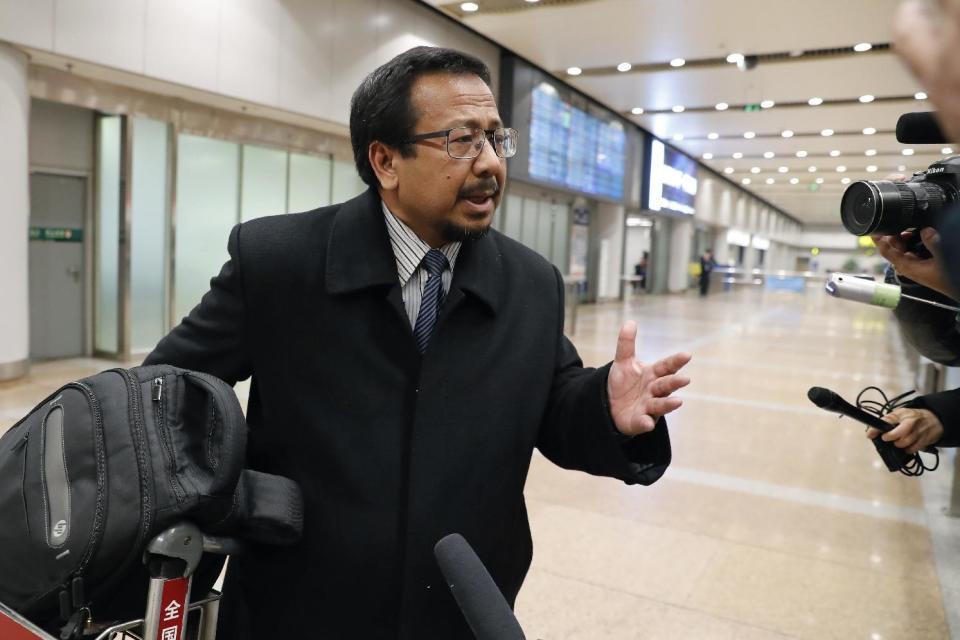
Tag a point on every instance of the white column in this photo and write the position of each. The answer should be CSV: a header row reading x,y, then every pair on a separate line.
x,y
14,214
680,257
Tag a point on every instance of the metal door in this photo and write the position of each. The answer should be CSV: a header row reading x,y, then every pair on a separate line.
x,y
57,208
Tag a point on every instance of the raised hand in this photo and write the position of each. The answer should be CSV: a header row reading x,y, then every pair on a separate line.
x,y
640,393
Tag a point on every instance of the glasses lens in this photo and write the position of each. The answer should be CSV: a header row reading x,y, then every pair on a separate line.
x,y
506,142
464,142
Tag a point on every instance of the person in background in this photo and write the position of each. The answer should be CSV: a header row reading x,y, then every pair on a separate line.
x,y
706,268
640,273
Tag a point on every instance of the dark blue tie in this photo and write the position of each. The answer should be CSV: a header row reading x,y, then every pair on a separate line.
x,y
434,262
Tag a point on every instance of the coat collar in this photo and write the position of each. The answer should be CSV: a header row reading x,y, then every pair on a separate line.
x,y
359,255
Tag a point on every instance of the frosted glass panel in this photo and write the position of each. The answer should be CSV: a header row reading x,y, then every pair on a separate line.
x,y
545,230
561,236
148,234
310,179
107,250
264,189
346,182
528,228
207,208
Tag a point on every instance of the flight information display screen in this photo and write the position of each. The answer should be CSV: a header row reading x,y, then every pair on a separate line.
x,y
672,180
572,148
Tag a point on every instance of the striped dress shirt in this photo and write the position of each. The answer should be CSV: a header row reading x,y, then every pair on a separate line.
x,y
409,250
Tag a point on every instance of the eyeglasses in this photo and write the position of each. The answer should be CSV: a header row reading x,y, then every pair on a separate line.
x,y
466,143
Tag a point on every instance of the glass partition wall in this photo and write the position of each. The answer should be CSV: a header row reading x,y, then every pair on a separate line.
x,y
165,204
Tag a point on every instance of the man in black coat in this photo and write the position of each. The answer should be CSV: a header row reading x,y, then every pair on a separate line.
x,y
406,360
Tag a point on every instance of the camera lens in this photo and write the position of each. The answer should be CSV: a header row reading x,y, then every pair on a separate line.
x,y
887,207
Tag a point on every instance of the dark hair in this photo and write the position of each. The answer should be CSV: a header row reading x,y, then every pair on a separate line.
x,y
381,108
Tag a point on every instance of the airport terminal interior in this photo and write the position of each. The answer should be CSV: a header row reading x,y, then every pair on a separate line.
x,y
138,133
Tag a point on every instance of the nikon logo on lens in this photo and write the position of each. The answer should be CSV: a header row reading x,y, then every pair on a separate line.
x,y
887,207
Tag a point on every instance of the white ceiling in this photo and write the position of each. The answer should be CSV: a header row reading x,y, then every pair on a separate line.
x,y
604,33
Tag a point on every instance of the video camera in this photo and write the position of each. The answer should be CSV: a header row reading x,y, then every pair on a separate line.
x,y
888,207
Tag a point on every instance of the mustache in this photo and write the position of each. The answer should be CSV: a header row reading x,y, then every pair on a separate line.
x,y
482,188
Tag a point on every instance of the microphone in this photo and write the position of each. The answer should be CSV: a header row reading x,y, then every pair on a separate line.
x,y
477,595
920,128
892,456
826,399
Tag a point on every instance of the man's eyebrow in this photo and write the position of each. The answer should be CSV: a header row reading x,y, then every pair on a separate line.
x,y
473,122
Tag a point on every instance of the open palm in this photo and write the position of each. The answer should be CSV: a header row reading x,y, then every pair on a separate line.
x,y
640,393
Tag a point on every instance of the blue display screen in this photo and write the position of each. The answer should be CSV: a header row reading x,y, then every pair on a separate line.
x,y
571,148
672,180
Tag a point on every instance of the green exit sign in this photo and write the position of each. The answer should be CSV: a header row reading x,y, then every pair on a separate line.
x,y
813,186
751,107
56,234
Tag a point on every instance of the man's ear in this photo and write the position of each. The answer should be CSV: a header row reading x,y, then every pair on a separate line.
x,y
384,159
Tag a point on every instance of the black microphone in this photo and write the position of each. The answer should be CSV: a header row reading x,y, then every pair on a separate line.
x,y
920,128
826,399
477,595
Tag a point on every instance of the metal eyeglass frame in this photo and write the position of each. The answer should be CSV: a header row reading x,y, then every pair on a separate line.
x,y
488,133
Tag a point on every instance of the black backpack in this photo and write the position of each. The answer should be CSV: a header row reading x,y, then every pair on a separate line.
x,y
107,462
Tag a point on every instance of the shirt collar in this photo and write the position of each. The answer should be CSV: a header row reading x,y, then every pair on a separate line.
x,y
409,249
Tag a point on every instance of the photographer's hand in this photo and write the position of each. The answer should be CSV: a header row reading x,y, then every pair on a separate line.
x,y
925,271
915,429
927,38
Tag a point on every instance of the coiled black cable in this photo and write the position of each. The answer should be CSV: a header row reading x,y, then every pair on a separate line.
x,y
915,467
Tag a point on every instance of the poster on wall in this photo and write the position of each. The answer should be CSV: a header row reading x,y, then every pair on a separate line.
x,y
672,180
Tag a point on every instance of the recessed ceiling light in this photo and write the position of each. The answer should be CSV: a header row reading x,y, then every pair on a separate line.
x,y
794,180
841,169
624,66
920,95
708,156
834,153
533,1
812,169
901,168
947,151
869,131
754,169
814,102
679,108
637,111
469,7
737,155
826,132
574,71
786,133
678,137
677,62
860,48
844,180
801,154
783,169
867,98
871,168
721,106
749,135
712,135
735,58
728,170
769,154
745,181
870,152
766,104
907,152
819,180
770,180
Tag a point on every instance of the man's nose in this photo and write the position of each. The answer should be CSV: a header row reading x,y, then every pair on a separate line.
x,y
488,162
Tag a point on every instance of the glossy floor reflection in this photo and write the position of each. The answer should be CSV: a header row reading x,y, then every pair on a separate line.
x,y
776,520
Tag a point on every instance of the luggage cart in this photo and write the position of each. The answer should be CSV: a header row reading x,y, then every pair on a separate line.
x,y
171,558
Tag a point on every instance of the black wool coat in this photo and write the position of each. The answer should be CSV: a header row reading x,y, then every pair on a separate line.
x,y
393,449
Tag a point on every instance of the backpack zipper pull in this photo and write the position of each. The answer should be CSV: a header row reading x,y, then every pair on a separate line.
x,y
157,389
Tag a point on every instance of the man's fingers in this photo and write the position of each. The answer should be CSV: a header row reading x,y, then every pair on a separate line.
x,y
670,364
901,430
873,433
931,240
663,406
668,384
627,341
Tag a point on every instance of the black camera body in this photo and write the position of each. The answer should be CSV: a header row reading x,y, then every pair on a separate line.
x,y
887,207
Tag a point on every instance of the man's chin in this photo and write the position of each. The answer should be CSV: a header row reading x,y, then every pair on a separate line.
x,y
453,232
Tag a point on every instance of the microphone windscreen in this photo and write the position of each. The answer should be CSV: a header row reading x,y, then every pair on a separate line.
x,y
920,128
479,598
820,396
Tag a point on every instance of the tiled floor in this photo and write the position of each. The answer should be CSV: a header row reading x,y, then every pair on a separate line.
x,y
775,520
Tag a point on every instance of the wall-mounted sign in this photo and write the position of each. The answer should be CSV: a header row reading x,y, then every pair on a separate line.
x,y
672,180
56,234
760,243
738,238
